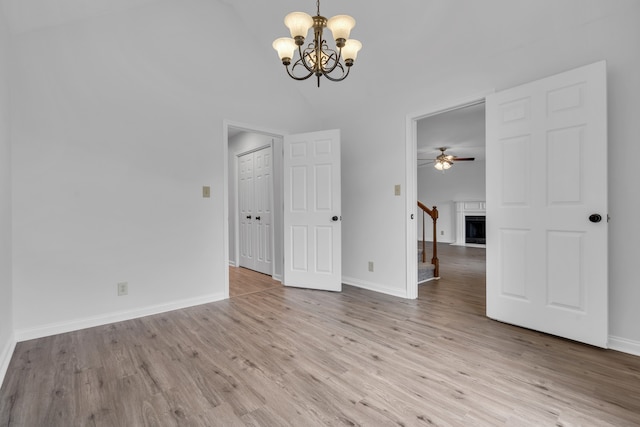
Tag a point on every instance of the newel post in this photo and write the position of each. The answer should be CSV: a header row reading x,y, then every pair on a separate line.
x,y
434,260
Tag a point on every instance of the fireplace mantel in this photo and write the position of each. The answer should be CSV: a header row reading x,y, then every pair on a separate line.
x,y
474,208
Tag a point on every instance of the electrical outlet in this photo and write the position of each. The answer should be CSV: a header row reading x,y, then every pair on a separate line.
x,y
370,265
397,191
206,191
442,232
123,289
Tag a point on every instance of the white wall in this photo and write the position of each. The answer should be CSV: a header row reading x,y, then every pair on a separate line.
x,y
465,181
117,125
243,143
568,34
6,288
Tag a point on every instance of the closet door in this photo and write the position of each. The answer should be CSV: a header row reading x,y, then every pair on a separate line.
x,y
262,219
246,210
255,187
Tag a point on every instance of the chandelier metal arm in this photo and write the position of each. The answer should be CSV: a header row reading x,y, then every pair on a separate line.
x,y
290,72
334,56
344,75
303,54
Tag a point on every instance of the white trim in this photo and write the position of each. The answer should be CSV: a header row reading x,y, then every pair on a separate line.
x,y
411,179
624,345
232,263
411,184
429,279
5,357
90,322
371,286
225,203
236,228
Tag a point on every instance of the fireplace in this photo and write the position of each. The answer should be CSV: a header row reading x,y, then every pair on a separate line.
x,y
470,223
474,227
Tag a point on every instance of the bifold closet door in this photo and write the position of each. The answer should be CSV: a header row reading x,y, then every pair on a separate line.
x,y
255,187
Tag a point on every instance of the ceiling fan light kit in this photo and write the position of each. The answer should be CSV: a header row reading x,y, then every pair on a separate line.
x,y
445,161
317,58
442,165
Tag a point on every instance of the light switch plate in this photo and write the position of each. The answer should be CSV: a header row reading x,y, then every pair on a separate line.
x,y
397,190
123,289
206,191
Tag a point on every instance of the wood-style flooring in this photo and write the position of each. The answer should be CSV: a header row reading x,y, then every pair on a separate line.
x,y
243,282
295,357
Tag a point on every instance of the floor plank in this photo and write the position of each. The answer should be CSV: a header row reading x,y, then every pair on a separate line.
x,y
273,356
243,281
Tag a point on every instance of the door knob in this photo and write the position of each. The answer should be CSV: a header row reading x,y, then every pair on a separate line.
x,y
248,216
595,218
257,218
334,218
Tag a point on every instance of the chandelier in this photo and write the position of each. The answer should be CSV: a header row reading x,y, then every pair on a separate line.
x,y
318,58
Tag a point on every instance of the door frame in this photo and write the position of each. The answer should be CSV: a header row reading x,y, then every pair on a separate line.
x,y
226,124
411,178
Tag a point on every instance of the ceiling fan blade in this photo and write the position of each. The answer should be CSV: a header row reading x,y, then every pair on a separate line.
x,y
463,159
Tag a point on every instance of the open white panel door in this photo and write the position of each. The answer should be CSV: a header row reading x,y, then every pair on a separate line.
x,y
312,221
547,205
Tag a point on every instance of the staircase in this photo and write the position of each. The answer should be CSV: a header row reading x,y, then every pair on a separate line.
x,y
426,270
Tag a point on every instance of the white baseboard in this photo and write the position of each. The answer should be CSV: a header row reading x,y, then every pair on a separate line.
x,y
429,279
232,263
376,287
624,345
90,322
5,357
277,277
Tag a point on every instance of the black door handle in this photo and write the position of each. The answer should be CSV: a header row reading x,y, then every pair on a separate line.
x,y
595,218
334,218
258,218
248,216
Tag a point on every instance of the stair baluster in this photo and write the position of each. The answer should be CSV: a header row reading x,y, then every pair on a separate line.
x,y
433,213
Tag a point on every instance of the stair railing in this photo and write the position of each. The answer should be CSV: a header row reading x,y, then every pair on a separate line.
x,y
433,213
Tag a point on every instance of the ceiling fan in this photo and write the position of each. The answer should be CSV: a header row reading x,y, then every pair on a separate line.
x,y
445,161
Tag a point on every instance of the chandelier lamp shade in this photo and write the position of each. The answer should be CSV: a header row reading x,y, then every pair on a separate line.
x,y
317,58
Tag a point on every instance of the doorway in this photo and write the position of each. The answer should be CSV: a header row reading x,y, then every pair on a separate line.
x,y
242,138
461,144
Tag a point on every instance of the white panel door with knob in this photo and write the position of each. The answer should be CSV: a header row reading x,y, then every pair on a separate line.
x,y
547,205
312,217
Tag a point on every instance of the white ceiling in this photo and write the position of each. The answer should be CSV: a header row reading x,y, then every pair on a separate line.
x,y
405,42
398,35
461,131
